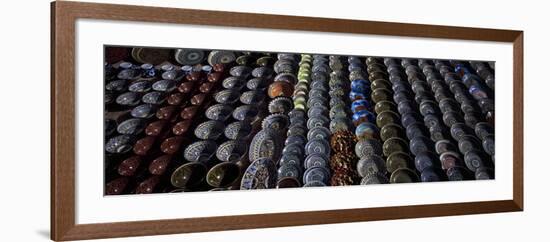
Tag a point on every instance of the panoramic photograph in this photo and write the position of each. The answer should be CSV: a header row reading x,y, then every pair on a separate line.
x,y
191,120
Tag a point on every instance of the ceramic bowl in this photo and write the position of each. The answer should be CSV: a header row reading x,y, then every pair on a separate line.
x,y
227,96
144,145
189,175
234,82
367,147
387,117
129,166
237,130
286,77
128,99
131,126
117,186
277,122
292,159
219,112
220,57
231,150
261,174
374,178
252,97
116,85
154,97
289,170
127,74
370,164
319,132
394,145
367,130
189,56
391,130
429,175
223,174
295,149
315,184
245,112
280,105
318,121
266,144
317,173
160,164
398,160
295,139
313,160
404,175
240,71
209,130
280,88
288,182
474,160
318,146
420,144
200,151
119,144
339,124
425,159
144,111
257,83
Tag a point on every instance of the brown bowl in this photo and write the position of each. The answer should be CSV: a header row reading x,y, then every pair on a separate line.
x,y
189,175
171,145
280,88
143,145
288,182
158,166
155,128
223,174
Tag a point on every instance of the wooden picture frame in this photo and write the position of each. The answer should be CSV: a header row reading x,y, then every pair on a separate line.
x,y
63,17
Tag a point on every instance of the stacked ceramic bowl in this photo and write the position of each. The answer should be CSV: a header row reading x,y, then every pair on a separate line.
x,y
290,166
432,129
463,116
198,154
233,118
485,71
371,113
343,160
198,120
153,101
317,148
121,131
128,89
451,160
479,92
399,160
368,148
178,126
485,130
267,145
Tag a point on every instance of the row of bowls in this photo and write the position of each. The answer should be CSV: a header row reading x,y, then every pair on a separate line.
x,y
162,131
366,95
215,138
267,145
311,97
343,160
469,132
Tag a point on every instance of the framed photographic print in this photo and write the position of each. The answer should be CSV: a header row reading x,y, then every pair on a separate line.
x,y
175,120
